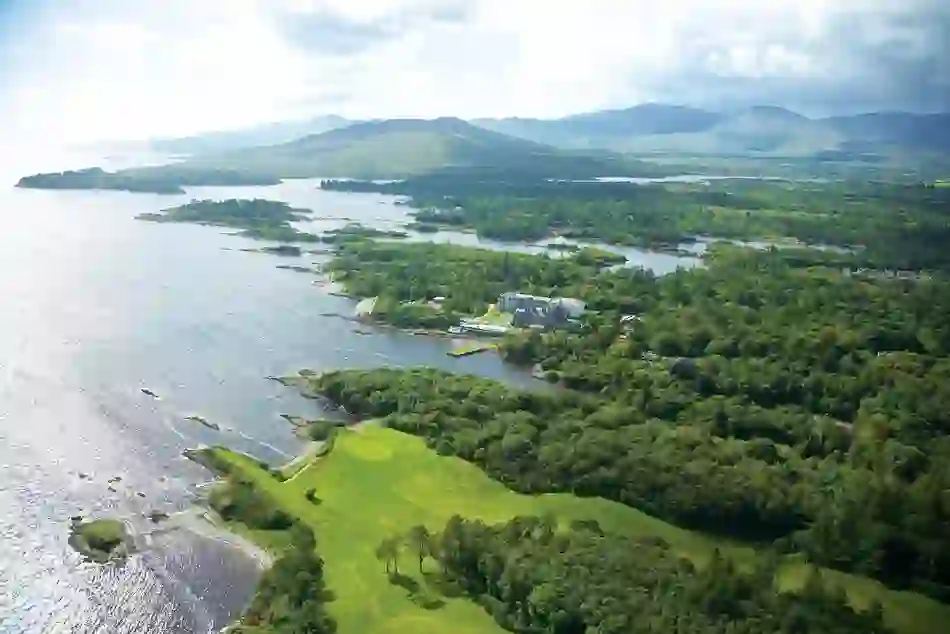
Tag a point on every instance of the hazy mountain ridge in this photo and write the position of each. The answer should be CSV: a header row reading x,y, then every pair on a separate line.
x,y
264,134
580,146
757,130
644,128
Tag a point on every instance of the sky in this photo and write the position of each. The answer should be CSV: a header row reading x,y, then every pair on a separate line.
x,y
89,70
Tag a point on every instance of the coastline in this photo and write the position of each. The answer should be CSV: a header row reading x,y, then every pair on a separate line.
x,y
204,522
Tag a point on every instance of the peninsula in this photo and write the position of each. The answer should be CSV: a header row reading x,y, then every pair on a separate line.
x,y
170,181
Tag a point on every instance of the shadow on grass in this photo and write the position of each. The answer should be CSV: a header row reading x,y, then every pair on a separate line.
x,y
418,594
444,586
427,602
405,581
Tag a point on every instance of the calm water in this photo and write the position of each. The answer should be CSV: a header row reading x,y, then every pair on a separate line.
x,y
94,306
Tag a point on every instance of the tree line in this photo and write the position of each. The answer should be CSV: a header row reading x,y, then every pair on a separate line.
x,y
533,576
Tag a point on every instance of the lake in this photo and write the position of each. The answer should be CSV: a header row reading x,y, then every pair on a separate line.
x,y
95,307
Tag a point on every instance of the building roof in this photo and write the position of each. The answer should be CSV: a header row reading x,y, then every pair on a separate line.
x,y
525,296
494,328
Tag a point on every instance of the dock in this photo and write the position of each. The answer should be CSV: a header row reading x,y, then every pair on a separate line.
x,y
474,347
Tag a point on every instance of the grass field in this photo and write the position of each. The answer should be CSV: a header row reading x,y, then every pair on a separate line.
x,y
942,183
378,482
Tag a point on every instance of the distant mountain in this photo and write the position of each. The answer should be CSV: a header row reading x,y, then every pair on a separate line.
x,y
759,130
265,134
600,129
912,131
399,148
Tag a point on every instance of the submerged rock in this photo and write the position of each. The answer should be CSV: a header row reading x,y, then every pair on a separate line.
x,y
203,421
157,516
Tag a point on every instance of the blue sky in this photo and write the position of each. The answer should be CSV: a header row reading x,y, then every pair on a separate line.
x,y
113,69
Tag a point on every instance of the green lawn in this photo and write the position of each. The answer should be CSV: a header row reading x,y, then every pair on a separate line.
x,y
942,183
377,482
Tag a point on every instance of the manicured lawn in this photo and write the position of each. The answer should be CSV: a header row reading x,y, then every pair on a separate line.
x,y
378,482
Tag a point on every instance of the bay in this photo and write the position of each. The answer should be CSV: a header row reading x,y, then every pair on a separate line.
x,y
95,306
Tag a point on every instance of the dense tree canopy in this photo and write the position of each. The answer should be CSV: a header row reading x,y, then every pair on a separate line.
x,y
533,577
753,398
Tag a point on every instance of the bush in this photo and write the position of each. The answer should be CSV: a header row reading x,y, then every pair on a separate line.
x,y
241,501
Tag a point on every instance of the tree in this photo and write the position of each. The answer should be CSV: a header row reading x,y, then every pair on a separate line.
x,y
301,537
420,541
388,552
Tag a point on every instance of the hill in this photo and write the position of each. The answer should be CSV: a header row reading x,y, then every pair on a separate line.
x,y
759,130
399,148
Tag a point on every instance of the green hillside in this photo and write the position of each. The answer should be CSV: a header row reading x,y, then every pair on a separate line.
x,y
378,482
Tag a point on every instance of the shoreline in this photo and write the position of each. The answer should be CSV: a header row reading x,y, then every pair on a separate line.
x,y
205,523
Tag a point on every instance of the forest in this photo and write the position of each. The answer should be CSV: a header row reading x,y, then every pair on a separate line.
x,y
886,225
793,399
533,576
800,407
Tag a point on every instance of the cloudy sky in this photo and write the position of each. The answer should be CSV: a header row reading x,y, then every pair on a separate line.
x,y
84,70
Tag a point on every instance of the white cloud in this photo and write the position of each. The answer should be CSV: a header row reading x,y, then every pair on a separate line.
x,y
107,69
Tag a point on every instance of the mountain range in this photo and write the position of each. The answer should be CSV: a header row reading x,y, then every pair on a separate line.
x,y
761,130
399,148
643,129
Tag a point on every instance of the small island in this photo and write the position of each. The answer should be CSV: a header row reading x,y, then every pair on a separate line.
x,y
257,218
354,231
100,540
270,220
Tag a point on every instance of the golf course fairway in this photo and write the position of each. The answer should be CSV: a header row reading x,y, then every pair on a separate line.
x,y
377,482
